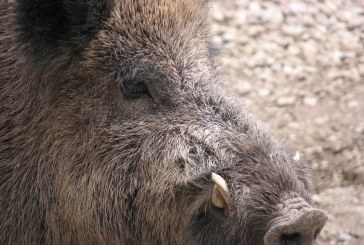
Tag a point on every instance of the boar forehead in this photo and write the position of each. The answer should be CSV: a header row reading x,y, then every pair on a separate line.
x,y
156,39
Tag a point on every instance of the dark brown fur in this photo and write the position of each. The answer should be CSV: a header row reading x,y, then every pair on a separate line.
x,y
82,163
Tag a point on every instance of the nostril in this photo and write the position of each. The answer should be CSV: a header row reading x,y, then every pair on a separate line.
x,y
287,239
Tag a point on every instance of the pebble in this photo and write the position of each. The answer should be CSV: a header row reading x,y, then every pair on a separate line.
x,y
354,175
217,40
344,237
286,100
294,125
297,7
243,87
241,18
359,129
292,30
229,36
288,69
310,101
294,50
264,92
216,14
272,16
321,120
316,199
324,165
353,103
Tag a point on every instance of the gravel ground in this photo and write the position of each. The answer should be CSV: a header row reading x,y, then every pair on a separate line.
x,y
299,65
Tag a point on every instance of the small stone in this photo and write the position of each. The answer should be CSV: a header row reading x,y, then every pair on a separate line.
x,y
217,40
271,47
286,100
272,16
241,18
315,165
359,129
292,30
353,104
294,125
229,36
333,74
242,39
293,50
255,8
310,101
356,200
354,175
288,69
361,69
343,236
217,14
248,102
347,15
321,120
259,59
297,7
255,30
333,138
243,88
310,48
324,165
264,92
316,199
331,7
337,56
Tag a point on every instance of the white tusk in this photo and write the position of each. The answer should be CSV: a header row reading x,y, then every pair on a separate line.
x,y
296,156
217,198
220,194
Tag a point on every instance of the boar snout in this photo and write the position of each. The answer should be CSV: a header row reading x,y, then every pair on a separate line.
x,y
296,226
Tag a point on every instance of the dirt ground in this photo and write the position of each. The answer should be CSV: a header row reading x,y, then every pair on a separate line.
x,y
299,65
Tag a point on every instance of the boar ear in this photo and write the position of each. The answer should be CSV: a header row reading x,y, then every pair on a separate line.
x,y
49,25
220,193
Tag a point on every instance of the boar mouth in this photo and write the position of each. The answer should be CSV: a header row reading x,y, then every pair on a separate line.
x,y
296,226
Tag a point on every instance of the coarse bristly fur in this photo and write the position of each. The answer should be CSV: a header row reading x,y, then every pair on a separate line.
x,y
112,119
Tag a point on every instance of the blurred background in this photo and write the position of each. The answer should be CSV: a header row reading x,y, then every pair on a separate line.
x,y
299,65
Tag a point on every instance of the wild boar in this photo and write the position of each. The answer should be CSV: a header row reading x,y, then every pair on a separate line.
x,y
115,129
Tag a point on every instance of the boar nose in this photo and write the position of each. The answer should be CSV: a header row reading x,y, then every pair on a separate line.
x,y
301,228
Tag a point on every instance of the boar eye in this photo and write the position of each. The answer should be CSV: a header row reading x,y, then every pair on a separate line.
x,y
134,89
